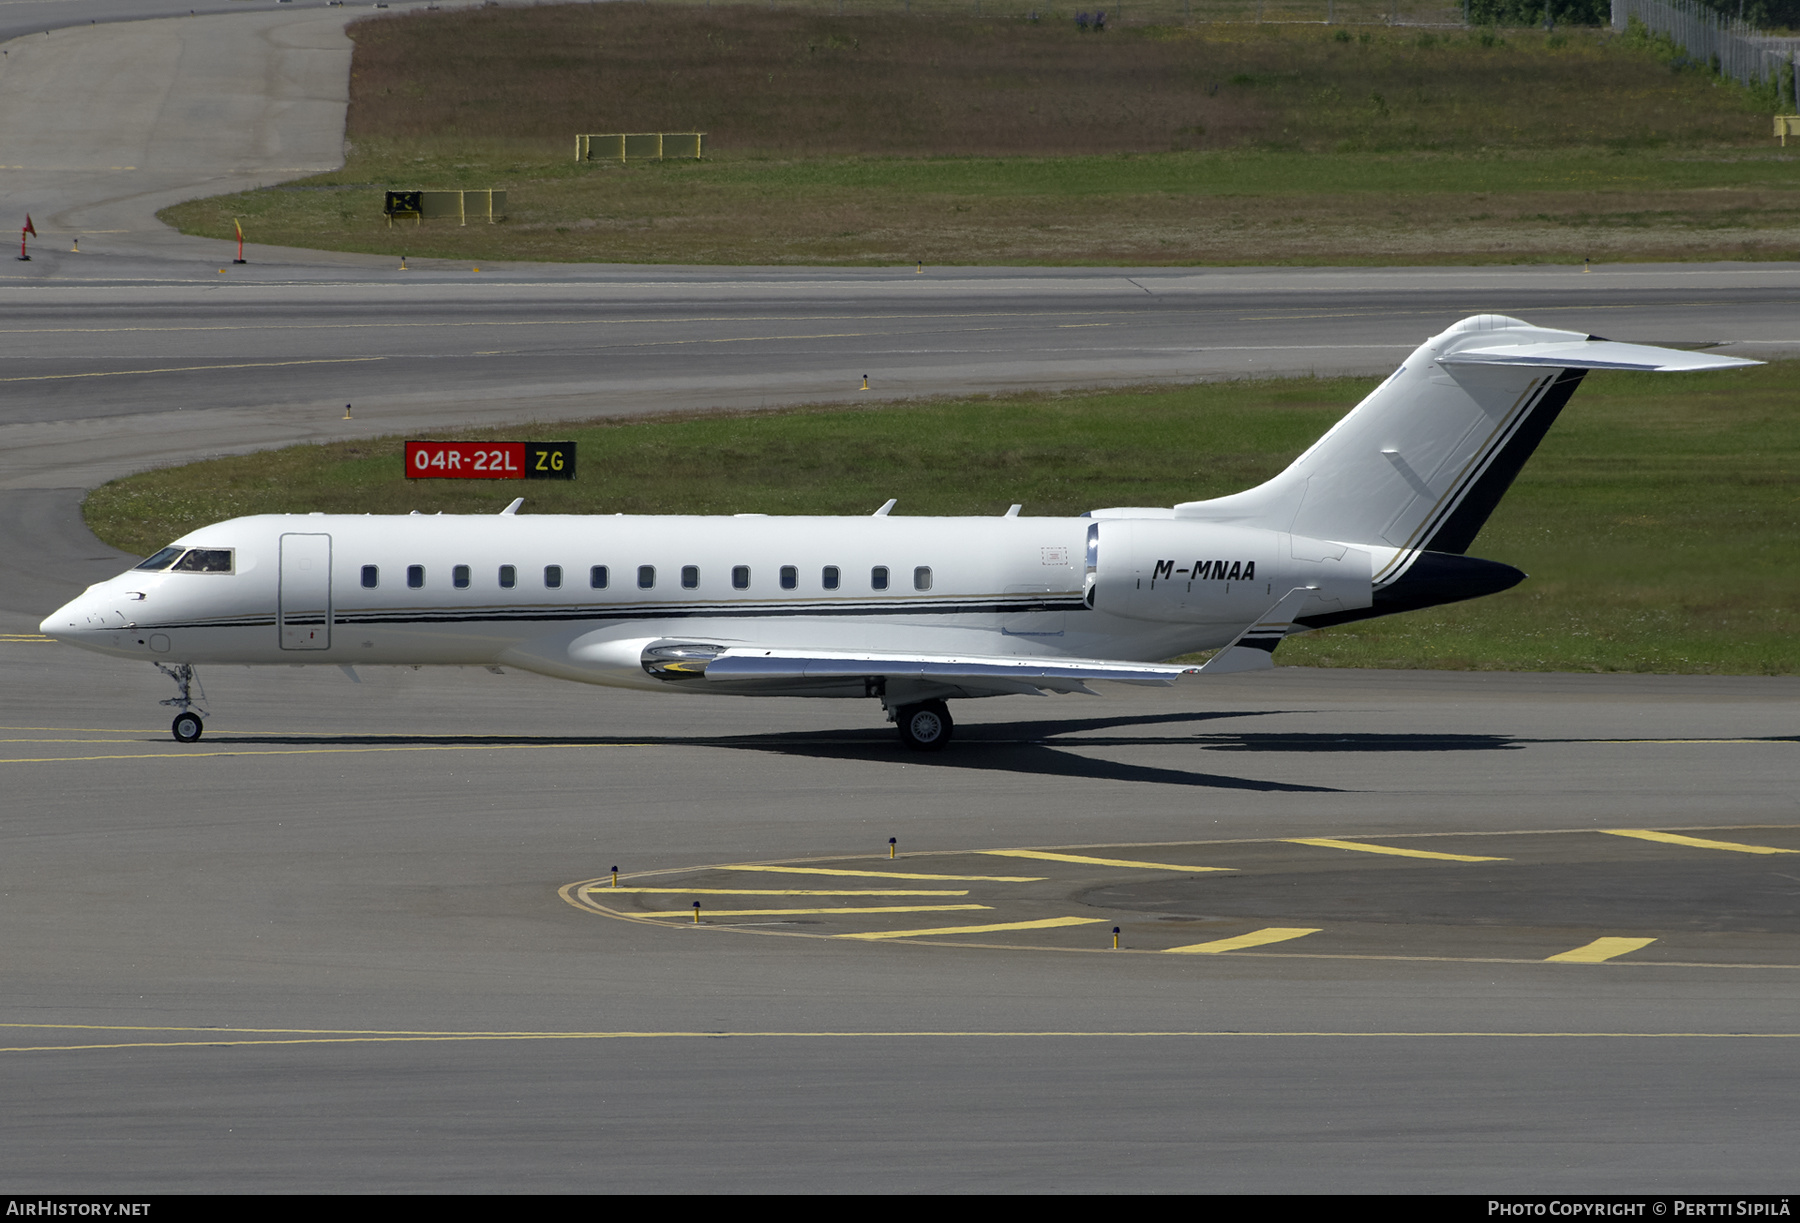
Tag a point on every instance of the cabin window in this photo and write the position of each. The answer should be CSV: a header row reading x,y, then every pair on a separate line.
x,y
790,577
415,576
552,577
690,576
922,578
371,577
740,577
204,560
878,577
646,576
459,576
597,577
162,560
509,577
830,577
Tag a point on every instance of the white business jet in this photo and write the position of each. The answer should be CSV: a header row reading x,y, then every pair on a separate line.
x,y
1374,518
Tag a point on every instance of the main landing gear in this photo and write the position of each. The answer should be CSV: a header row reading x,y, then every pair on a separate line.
x,y
187,725
924,727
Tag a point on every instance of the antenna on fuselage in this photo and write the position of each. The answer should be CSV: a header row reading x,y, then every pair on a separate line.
x,y
885,507
514,507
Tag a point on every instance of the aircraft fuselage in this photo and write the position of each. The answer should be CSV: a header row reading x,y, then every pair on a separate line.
x,y
582,597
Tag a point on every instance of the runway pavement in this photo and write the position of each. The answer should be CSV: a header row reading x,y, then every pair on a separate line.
x,y
263,963
359,937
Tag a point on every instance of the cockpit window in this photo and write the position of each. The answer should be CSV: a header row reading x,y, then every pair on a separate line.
x,y
162,560
193,560
205,560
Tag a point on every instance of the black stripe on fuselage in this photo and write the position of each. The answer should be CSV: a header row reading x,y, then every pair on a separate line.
x,y
683,611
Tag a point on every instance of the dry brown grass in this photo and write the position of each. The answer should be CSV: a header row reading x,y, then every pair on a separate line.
x,y
881,138
785,83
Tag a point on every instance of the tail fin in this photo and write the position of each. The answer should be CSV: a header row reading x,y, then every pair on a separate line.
x,y
1422,461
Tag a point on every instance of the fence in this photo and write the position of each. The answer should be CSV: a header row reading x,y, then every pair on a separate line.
x,y
1734,48
489,206
618,146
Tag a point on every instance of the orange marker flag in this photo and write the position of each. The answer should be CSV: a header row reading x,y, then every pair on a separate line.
x,y
240,229
29,227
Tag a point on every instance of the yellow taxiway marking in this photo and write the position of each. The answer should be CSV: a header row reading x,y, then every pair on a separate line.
x,y
1086,861
1256,938
827,870
791,912
1599,951
393,325
320,751
1332,843
602,889
1786,739
1041,924
232,1037
119,742
1670,838
183,369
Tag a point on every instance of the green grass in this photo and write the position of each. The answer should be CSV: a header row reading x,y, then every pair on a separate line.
x,y
1660,521
884,138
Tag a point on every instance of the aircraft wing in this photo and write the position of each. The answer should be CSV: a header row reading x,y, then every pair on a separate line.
x,y
1056,674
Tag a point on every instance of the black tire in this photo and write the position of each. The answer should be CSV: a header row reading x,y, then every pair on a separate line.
x,y
924,727
187,727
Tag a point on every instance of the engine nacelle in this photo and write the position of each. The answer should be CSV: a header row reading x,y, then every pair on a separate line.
x,y
1195,572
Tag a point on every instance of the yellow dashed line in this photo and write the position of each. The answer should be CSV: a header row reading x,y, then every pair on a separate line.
x,y
1771,739
826,870
182,369
1256,938
235,1037
1670,838
120,742
321,751
1331,843
1050,857
792,912
1599,951
601,889
390,324
1042,924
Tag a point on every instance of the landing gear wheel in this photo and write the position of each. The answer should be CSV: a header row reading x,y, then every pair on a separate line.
x,y
187,727
924,727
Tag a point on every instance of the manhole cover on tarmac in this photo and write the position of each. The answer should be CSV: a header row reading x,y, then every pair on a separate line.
x,y
1688,897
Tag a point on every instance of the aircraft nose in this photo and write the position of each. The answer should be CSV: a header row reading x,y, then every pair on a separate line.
x,y
80,619
66,621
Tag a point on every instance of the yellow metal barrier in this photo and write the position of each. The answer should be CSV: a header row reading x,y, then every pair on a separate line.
x,y
489,206
1785,126
621,146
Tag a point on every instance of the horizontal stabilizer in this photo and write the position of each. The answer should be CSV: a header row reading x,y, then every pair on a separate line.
x,y
1066,674
1594,354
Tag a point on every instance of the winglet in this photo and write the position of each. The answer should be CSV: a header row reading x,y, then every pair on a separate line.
x,y
1254,648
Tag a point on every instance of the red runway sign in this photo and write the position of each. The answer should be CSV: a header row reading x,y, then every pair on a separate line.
x,y
490,460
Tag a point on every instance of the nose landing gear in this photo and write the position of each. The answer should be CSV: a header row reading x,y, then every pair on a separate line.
x,y
187,725
924,727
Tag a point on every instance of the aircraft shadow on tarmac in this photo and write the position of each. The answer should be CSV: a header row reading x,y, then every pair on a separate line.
x,y
1036,747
